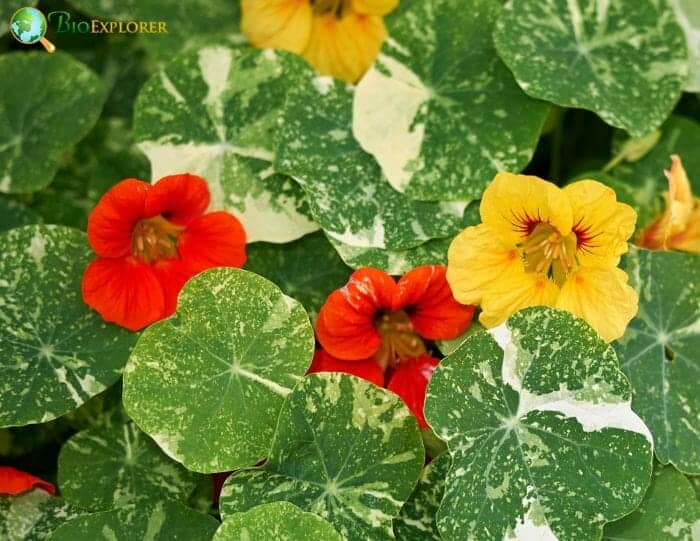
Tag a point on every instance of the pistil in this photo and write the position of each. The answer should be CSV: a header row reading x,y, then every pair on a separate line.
x,y
546,251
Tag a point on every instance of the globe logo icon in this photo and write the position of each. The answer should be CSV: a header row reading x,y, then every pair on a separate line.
x,y
28,26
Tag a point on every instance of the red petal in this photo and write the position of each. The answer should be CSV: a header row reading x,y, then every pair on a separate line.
x,y
13,481
410,382
111,223
345,325
178,198
172,275
124,291
218,480
367,369
216,239
427,298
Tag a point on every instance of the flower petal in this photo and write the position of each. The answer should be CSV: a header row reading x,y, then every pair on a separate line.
x,y
427,298
513,205
172,274
601,224
374,7
602,297
410,382
14,481
345,326
178,198
367,369
216,239
279,24
111,223
344,47
124,292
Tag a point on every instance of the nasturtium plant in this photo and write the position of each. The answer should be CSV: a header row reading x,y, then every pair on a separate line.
x,y
669,511
160,521
659,352
55,353
33,515
537,419
15,214
34,130
594,55
213,112
112,466
439,110
344,449
207,383
281,521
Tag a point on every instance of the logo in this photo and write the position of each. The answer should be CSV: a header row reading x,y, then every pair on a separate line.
x,y
28,26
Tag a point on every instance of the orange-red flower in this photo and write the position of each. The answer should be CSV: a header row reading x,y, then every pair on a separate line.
x,y
374,316
151,239
410,381
14,481
367,369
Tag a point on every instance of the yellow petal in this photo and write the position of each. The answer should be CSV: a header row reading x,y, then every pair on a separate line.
x,y
513,205
601,224
344,47
374,7
688,240
602,297
477,263
279,24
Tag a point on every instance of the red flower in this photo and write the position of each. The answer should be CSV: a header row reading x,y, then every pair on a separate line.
x,y
367,369
375,316
410,381
13,481
150,240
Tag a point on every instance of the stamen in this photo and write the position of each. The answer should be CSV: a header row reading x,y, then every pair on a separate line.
x,y
155,238
545,251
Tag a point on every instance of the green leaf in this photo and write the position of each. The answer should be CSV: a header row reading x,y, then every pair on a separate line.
x,y
348,194
213,112
308,269
43,118
688,15
544,444
695,482
207,384
448,347
624,60
162,521
108,467
55,352
15,214
32,516
439,110
280,521
660,352
417,518
344,449
668,512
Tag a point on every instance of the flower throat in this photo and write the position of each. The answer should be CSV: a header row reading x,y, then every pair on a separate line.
x,y
548,252
155,238
336,7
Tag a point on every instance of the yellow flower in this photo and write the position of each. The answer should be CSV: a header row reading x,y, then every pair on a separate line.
x,y
678,228
543,245
337,37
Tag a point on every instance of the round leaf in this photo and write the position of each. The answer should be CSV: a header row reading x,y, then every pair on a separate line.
x,y
281,521
544,444
108,467
344,449
688,15
439,110
660,352
32,516
624,60
55,352
41,119
213,112
207,384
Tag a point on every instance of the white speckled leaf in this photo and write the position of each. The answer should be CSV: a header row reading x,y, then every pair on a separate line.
x,y
43,115
344,449
55,353
688,15
417,519
668,512
625,60
348,195
544,444
439,110
163,521
660,352
32,516
111,466
213,112
207,383
278,521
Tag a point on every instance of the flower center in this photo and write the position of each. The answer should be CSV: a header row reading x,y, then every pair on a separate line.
x,y
399,340
546,251
337,7
155,238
